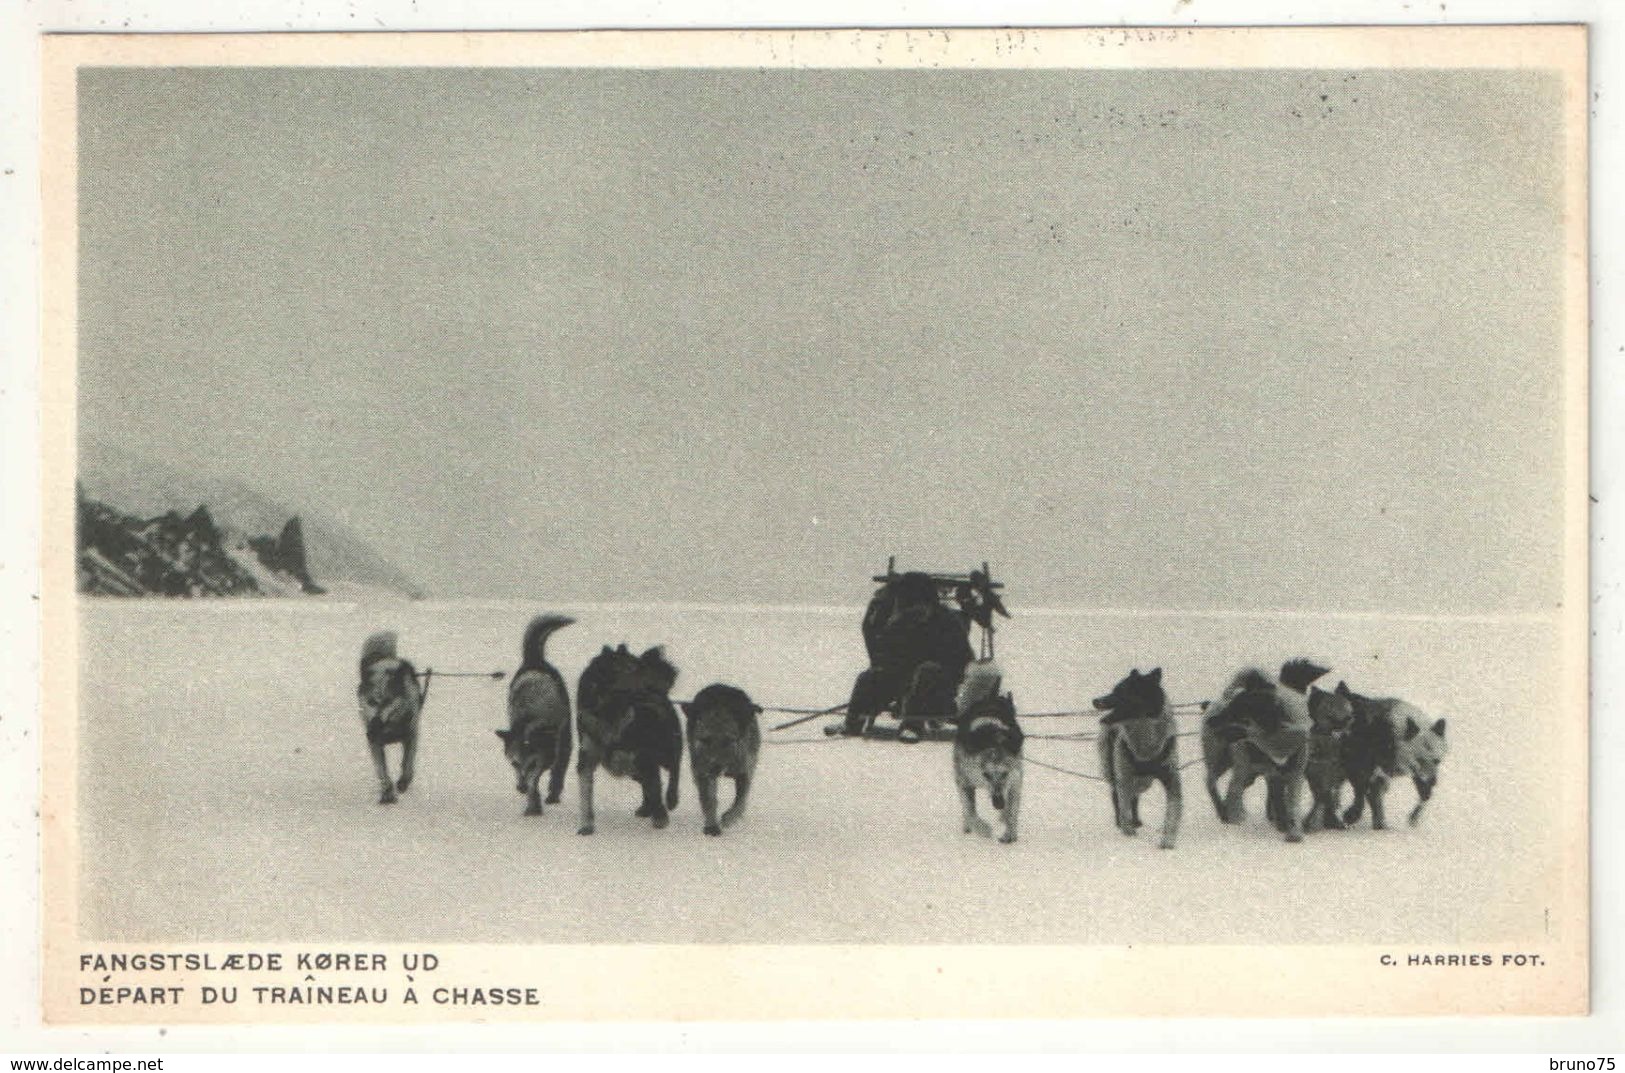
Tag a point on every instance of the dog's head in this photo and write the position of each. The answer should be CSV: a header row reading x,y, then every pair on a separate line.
x,y
1137,695
718,719
1421,749
531,751
1331,712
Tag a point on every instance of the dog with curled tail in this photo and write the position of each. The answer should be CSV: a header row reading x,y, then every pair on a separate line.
x,y
538,736
1259,728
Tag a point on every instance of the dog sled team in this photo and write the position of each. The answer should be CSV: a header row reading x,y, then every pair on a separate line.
x,y
627,721
1280,727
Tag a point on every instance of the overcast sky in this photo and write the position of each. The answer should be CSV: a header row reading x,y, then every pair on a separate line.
x,y
1194,339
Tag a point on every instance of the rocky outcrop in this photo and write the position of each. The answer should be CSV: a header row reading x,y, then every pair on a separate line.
x,y
174,555
286,554
334,556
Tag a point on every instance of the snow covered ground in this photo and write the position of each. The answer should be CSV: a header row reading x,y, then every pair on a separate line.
x,y
226,792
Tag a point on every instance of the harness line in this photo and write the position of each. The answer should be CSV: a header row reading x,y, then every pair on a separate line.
x,y
1064,770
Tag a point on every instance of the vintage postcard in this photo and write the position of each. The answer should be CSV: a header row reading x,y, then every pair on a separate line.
x,y
819,524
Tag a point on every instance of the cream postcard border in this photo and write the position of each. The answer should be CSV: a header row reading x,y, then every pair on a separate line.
x,y
741,983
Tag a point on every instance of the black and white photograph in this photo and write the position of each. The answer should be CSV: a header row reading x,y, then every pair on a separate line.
x,y
895,498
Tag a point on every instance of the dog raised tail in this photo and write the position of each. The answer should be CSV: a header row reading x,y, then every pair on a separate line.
x,y
536,634
1298,674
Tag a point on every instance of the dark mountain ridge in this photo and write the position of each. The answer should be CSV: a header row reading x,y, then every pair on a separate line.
x,y
174,555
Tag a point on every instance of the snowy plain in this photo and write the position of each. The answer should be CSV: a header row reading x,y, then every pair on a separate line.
x,y
225,793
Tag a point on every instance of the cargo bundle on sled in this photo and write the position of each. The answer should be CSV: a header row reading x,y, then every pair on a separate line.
x,y
918,630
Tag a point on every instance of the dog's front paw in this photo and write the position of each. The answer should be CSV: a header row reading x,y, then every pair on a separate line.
x,y
1294,836
1334,822
1351,816
660,820
1008,837
585,829
713,828
552,799
533,809
1166,843
403,783
1415,816
981,827
643,812
388,796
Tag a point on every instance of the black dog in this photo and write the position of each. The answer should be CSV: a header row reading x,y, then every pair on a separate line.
x,y
629,725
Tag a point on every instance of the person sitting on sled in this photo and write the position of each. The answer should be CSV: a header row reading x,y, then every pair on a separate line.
x,y
917,654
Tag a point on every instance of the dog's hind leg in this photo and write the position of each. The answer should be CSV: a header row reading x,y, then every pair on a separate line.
x,y
533,798
1242,776
671,783
1375,792
653,807
1333,801
1123,804
741,795
1215,759
1317,809
381,766
1108,772
973,822
1123,799
1012,806
1173,806
1291,793
409,755
1360,781
555,780
706,787
584,768
1212,782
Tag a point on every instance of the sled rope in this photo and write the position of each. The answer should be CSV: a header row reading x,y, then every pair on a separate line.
x,y
1093,778
806,715
1192,707
1064,770
463,674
